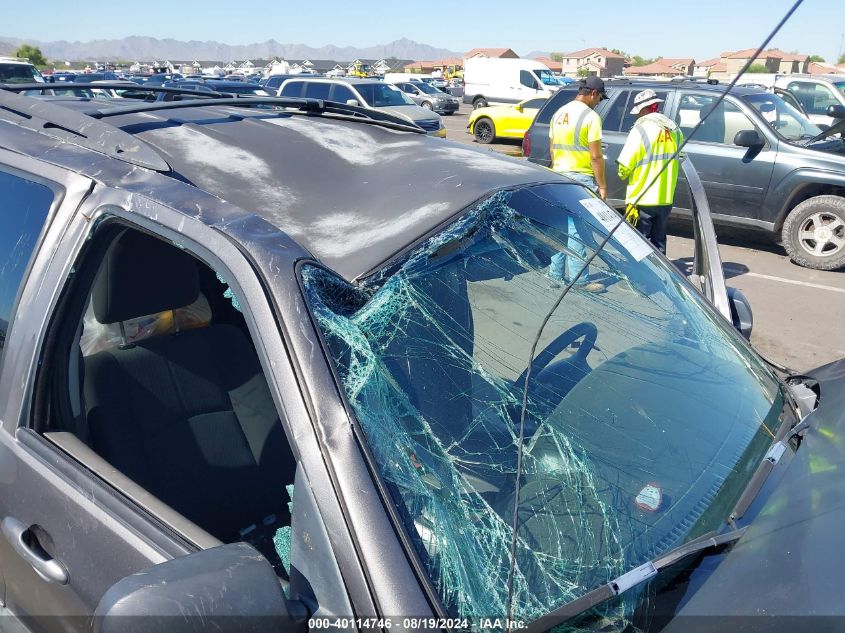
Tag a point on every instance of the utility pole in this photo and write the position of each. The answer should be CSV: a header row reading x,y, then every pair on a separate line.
x,y
839,55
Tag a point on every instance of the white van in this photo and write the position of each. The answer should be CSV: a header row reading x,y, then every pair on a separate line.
x,y
495,81
393,78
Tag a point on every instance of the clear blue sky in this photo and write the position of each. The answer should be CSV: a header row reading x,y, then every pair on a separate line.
x,y
680,28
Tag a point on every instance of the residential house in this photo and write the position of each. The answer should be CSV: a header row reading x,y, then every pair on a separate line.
x,y
592,61
823,68
555,67
428,67
710,68
655,69
491,52
685,65
775,61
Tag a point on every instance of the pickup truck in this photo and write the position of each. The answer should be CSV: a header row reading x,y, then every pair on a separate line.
x,y
763,164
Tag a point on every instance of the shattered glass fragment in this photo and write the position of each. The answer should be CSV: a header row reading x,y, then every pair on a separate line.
x,y
642,385
228,294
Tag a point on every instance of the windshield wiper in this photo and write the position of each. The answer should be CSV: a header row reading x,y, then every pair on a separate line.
x,y
631,579
834,129
776,450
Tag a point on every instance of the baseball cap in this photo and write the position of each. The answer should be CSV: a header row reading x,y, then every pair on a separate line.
x,y
644,99
593,83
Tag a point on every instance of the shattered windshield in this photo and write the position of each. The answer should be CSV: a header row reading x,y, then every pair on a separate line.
x,y
647,414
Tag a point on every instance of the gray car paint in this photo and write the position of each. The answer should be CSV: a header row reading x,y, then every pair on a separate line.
x,y
191,214
248,239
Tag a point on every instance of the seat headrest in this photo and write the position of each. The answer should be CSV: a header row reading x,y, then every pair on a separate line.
x,y
143,275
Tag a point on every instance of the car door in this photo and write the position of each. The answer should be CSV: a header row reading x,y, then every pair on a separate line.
x,y
528,86
735,178
66,538
816,98
617,122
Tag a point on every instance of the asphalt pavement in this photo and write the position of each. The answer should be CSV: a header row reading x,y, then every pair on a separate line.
x,y
798,312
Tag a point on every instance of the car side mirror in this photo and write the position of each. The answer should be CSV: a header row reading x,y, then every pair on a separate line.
x,y
223,588
741,315
352,102
749,138
518,107
836,111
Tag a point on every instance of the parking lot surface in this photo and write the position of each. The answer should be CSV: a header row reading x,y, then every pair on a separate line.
x,y
797,311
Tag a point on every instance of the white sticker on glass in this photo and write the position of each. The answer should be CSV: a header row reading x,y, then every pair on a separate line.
x,y
627,236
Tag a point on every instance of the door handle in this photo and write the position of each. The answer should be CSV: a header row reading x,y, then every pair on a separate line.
x,y
24,542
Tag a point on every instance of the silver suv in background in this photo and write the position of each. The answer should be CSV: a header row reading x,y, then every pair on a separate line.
x,y
367,93
16,70
429,97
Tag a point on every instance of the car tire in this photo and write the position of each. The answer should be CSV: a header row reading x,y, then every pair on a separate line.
x,y
484,130
427,105
479,102
814,233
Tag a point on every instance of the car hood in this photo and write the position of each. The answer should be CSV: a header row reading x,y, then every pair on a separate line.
x,y
412,112
789,562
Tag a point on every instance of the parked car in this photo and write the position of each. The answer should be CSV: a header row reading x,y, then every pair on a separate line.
x,y
96,76
243,88
197,329
815,93
429,97
18,70
367,93
488,124
494,81
763,164
272,83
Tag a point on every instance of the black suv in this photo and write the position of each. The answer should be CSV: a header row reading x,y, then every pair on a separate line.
x,y
764,165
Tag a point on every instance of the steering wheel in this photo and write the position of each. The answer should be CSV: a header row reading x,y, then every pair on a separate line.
x,y
584,330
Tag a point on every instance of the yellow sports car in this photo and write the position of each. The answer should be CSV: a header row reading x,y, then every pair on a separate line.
x,y
512,121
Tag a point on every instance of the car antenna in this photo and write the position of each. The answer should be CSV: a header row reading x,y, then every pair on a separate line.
x,y
521,445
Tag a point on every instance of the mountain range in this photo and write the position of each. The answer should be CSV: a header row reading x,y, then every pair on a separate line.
x,y
137,48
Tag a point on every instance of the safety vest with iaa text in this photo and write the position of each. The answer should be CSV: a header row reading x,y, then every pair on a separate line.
x,y
651,143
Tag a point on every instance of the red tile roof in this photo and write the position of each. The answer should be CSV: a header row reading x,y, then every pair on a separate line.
x,y
709,62
589,51
552,64
491,52
670,61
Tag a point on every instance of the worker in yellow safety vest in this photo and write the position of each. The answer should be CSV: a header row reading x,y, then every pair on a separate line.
x,y
651,143
575,151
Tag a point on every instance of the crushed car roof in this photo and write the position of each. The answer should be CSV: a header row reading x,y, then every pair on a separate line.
x,y
353,194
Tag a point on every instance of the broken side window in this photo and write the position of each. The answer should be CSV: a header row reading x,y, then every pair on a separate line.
x,y
646,412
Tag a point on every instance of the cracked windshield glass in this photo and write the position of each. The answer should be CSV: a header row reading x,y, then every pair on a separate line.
x,y
646,415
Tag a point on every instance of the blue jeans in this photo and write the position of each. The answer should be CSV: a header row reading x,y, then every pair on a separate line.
x,y
563,267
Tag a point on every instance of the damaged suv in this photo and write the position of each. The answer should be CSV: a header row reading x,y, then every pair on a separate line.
x,y
272,369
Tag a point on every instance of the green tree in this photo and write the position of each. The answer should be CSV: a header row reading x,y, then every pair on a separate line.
x,y
757,68
841,59
642,61
619,52
583,72
816,58
558,57
32,53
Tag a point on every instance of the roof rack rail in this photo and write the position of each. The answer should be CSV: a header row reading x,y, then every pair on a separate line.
x,y
212,98
110,85
310,106
74,127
